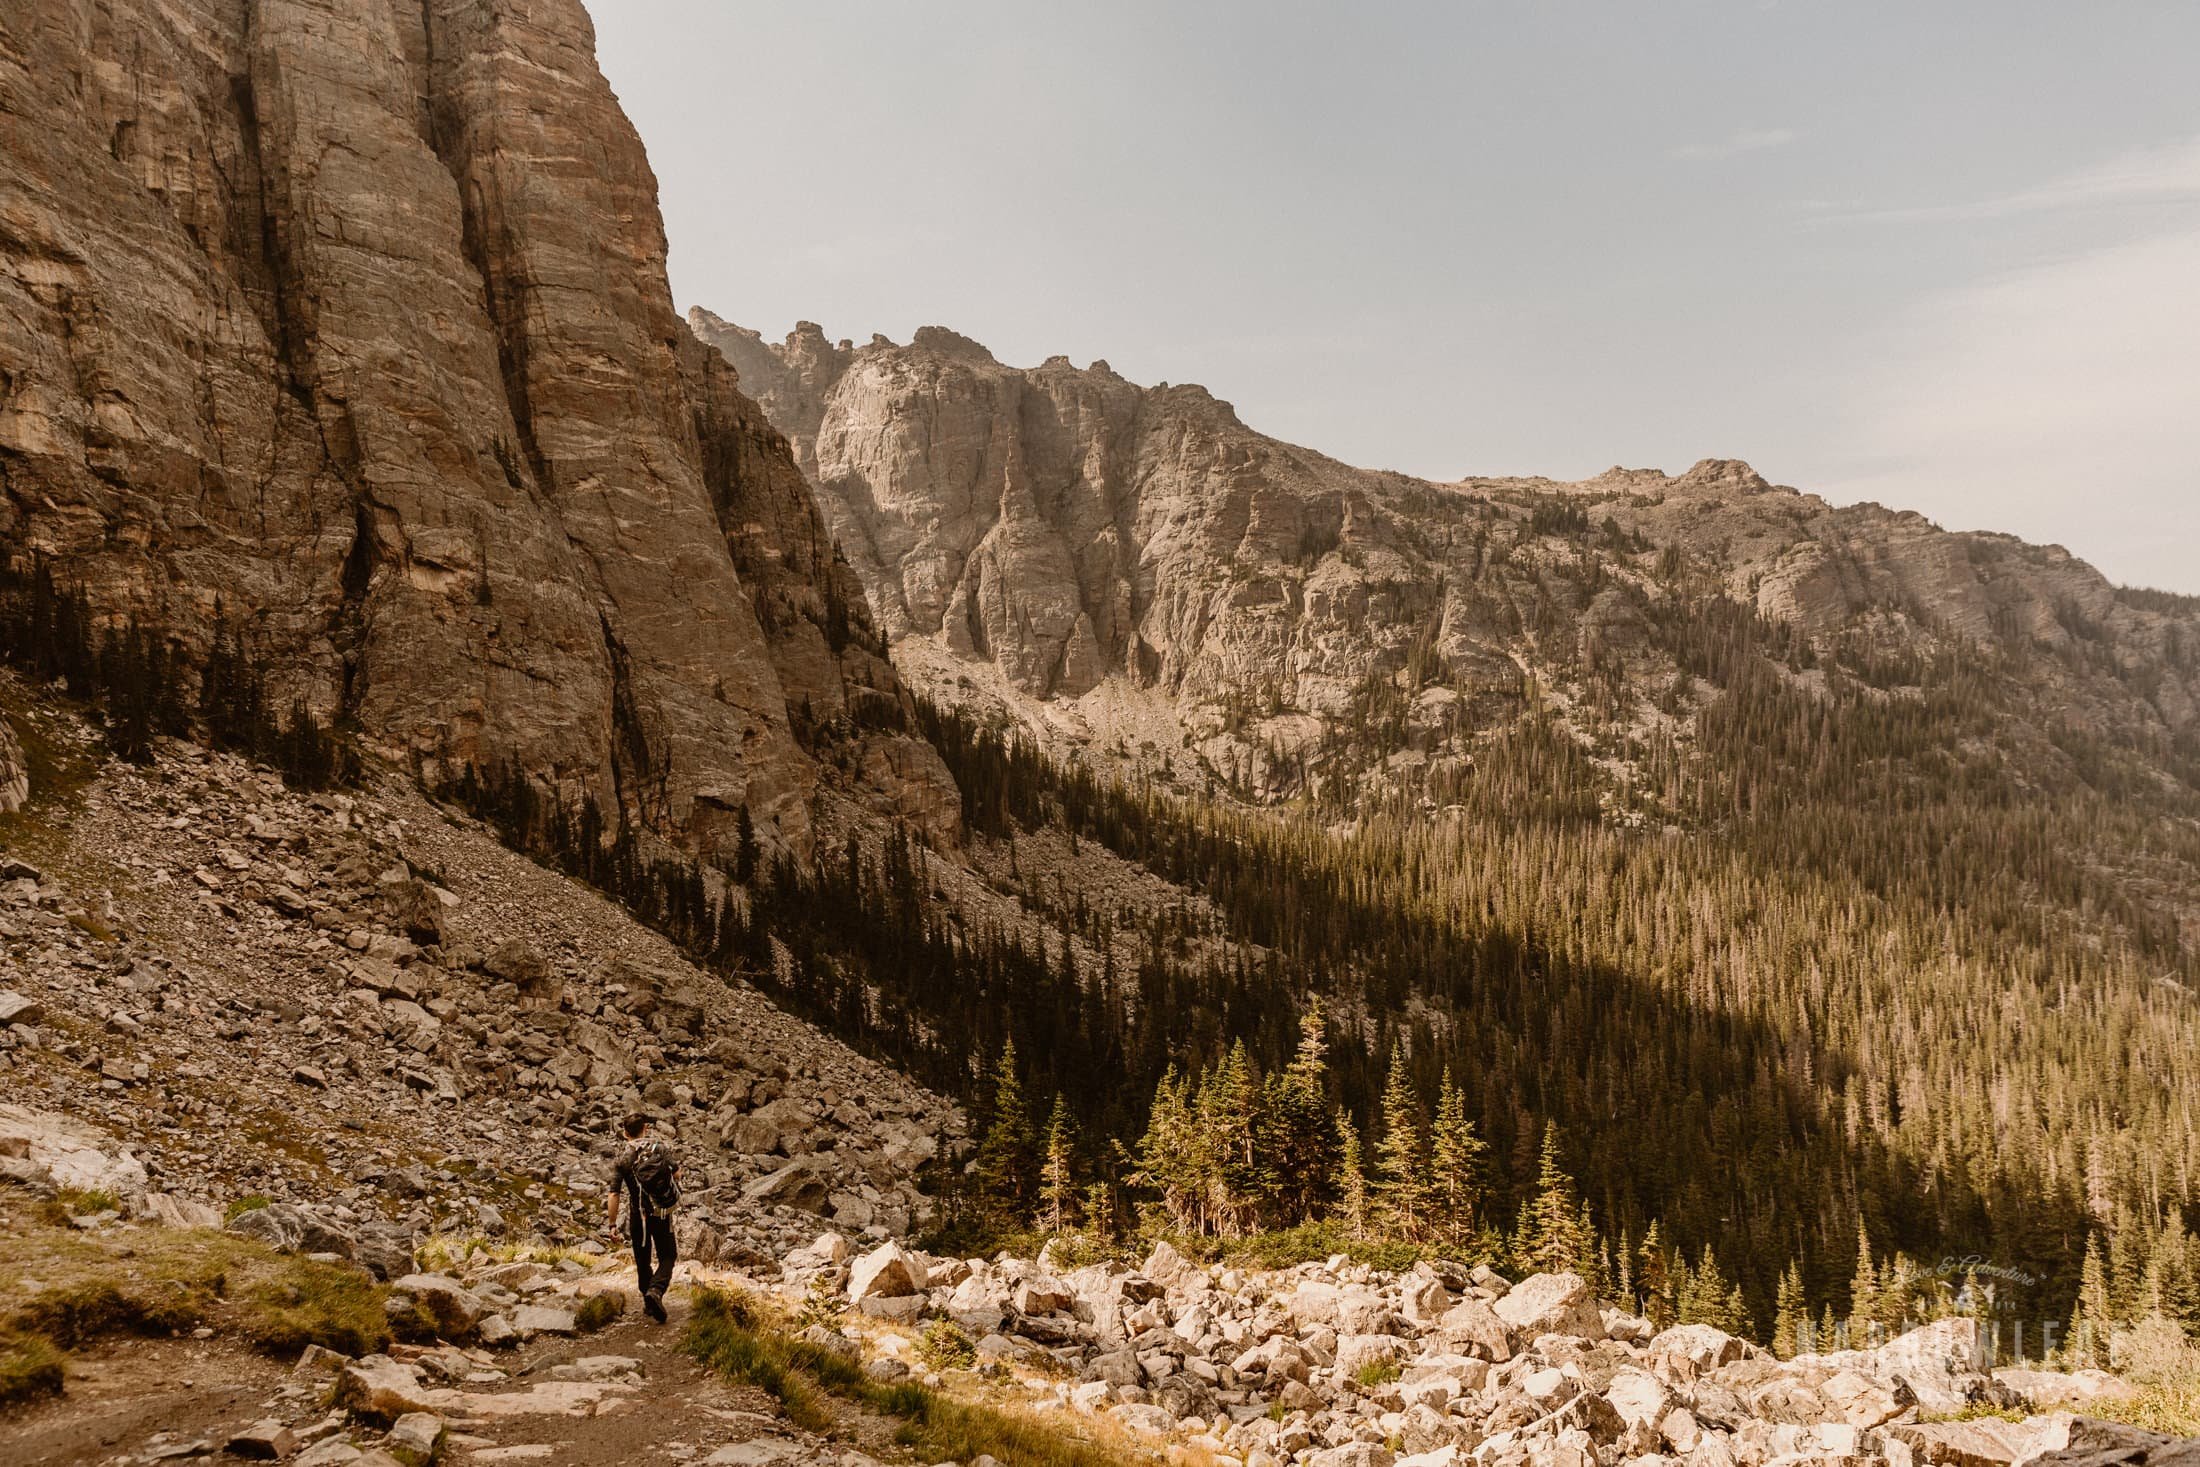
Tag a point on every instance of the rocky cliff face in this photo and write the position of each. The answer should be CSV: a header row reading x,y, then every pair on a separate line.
x,y
350,317
1134,570
15,773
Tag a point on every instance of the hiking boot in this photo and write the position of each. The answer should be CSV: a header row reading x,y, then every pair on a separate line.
x,y
654,1307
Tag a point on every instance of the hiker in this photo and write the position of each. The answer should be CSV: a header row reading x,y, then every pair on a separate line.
x,y
650,1178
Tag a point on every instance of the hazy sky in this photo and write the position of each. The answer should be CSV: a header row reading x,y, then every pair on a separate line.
x,y
1946,256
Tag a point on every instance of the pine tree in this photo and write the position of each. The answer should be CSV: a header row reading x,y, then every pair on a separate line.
x,y
1057,1185
1401,1181
1659,1303
1710,1299
1791,1316
1302,1136
1006,1162
744,846
1863,1289
1455,1165
2090,1318
1352,1201
1561,1238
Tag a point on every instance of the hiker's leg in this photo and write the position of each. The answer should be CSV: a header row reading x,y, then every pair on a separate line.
x,y
638,1231
668,1253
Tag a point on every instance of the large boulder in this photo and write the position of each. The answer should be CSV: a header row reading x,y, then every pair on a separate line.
x,y
53,1151
455,1309
1688,1350
380,1389
1472,1327
2057,1439
799,1184
415,910
1551,1304
888,1271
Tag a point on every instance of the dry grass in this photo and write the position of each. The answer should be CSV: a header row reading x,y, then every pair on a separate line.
x,y
2163,1363
735,1335
63,1288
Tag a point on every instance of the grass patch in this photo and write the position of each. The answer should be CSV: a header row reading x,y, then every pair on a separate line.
x,y
447,1252
30,1368
63,1288
1377,1372
729,1333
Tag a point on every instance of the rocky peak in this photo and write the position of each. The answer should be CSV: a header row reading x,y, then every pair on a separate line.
x,y
354,322
1131,573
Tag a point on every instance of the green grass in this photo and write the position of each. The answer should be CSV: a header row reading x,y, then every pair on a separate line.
x,y
729,1333
29,1369
61,1289
1377,1372
598,1311
446,1252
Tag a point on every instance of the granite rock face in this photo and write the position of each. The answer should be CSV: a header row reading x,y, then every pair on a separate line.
x,y
15,773
1133,570
350,319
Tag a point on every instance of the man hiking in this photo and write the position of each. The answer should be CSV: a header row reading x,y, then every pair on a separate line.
x,y
650,1178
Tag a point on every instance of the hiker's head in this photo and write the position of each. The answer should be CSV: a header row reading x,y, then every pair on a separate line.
x,y
634,1125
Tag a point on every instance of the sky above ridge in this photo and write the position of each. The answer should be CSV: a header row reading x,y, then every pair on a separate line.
x,y
1946,257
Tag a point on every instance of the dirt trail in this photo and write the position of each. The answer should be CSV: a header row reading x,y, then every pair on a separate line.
x,y
140,1402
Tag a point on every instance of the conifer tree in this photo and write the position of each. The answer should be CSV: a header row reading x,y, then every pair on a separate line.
x,y
1863,1289
1710,1299
2086,1343
1352,1202
1455,1166
1007,1158
1302,1136
1057,1185
1400,1168
1659,1303
1791,1316
1560,1237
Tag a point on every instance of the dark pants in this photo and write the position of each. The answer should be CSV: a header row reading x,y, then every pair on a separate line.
x,y
652,1235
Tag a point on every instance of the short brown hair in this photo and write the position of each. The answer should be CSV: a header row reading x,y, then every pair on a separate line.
x,y
633,1124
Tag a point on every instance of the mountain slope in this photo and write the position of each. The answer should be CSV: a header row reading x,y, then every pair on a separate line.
x,y
1133,574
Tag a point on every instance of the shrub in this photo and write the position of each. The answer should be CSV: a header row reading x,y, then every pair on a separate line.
x,y
946,1346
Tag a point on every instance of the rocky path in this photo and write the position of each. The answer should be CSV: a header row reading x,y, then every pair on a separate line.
x,y
625,1396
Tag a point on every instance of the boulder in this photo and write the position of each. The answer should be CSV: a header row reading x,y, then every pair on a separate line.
x,y
799,1184
530,1320
1472,1326
415,910
1551,1304
1690,1350
455,1310
266,1441
58,1152
416,1439
889,1271
381,1389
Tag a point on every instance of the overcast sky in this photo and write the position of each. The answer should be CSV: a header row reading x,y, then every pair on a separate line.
x,y
1945,256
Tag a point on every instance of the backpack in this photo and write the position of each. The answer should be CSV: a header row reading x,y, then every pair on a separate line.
x,y
656,1176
